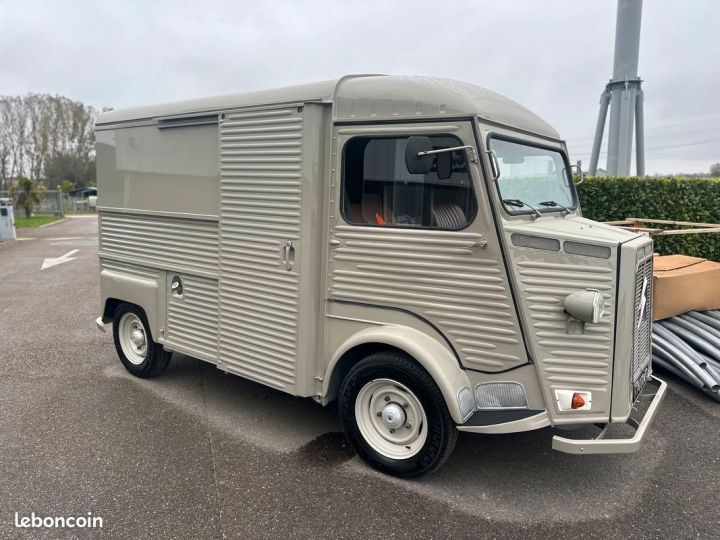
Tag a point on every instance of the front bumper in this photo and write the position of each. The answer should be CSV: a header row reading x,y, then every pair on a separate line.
x,y
100,324
601,445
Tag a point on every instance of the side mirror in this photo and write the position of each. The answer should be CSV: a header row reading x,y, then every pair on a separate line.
x,y
579,172
418,164
444,165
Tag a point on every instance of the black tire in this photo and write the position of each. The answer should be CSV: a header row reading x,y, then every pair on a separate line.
x,y
156,359
441,430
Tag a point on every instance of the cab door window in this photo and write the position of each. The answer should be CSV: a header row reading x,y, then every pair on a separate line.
x,y
378,189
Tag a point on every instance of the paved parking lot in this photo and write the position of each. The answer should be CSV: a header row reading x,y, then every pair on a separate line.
x,y
199,454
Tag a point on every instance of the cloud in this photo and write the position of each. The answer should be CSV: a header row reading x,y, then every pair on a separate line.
x,y
553,56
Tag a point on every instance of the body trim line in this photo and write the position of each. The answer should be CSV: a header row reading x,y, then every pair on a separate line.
x,y
158,213
164,268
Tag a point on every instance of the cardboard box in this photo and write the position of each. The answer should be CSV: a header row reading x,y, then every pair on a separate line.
x,y
682,284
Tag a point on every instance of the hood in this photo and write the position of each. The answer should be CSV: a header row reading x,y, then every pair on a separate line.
x,y
572,228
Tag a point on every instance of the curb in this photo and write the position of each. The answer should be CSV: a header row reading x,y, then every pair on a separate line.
x,y
53,223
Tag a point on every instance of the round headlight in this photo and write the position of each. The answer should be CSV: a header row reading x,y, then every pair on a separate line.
x,y
588,306
598,307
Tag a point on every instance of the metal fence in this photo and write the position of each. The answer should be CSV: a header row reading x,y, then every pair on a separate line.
x,y
50,204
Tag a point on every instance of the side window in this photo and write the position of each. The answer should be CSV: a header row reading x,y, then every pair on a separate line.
x,y
378,189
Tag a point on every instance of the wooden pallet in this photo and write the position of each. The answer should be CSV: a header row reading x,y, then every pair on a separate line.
x,y
640,225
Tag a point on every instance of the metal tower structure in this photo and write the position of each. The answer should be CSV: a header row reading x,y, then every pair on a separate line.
x,y
623,95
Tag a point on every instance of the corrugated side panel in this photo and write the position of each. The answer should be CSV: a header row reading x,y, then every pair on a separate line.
x,y
435,275
185,245
581,361
261,174
192,319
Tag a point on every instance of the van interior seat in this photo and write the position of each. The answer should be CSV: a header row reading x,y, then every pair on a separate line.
x,y
448,215
373,210
356,214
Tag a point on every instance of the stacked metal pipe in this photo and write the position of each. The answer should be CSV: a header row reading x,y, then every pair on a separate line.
x,y
688,346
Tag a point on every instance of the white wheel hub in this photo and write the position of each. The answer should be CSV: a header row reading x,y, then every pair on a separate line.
x,y
138,338
133,338
391,418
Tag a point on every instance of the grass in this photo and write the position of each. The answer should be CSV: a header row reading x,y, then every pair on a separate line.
x,y
22,222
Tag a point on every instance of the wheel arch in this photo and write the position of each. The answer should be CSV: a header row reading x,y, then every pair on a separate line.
x,y
116,289
110,307
431,354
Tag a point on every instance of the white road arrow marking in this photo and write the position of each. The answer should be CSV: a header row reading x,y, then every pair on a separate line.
x,y
49,263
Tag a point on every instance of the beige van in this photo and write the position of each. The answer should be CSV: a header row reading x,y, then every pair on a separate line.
x,y
411,247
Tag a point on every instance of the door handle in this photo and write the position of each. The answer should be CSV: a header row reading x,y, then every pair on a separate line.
x,y
289,255
480,242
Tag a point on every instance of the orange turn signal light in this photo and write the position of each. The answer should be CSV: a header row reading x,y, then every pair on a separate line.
x,y
577,401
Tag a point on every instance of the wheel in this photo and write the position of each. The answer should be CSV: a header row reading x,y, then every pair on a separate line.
x,y
395,416
140,355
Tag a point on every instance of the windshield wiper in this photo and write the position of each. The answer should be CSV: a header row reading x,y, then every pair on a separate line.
x,y
520,204
553,204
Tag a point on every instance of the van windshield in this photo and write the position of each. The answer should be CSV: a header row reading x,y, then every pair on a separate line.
x,y
532,177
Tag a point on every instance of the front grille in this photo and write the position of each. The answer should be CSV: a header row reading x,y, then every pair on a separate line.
x,y
642,326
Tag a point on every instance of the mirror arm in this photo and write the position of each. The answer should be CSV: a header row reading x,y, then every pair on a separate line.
x,y
470,151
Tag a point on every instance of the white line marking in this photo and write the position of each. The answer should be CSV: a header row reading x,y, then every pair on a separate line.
x,y
52,223
49,263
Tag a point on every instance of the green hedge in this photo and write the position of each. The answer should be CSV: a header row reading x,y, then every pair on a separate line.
x,y
679,199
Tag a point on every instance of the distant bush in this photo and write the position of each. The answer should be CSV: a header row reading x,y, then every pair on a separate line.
x,y
27,194
678,199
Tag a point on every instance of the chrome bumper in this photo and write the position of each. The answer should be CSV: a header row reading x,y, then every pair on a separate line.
x,y
601,445
100,324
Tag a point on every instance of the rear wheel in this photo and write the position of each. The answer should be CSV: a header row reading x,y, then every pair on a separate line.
x,y
395,416
134,344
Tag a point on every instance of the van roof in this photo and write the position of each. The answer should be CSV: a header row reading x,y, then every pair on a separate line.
x,y
362,97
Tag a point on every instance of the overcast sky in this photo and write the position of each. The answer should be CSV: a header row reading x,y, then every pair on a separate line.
x,y
553,56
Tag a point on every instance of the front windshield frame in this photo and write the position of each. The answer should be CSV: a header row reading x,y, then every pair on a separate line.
x,y
513,211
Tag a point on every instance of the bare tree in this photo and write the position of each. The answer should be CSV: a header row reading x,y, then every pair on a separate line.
x,y
37,130
5,142
39,126
18,126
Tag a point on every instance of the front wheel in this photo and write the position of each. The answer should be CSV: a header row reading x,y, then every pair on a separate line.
x,y
134,344
395,416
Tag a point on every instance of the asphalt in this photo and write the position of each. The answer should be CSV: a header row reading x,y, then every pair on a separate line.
x,y
199,454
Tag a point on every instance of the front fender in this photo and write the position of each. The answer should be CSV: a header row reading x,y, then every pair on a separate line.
x,y
429,352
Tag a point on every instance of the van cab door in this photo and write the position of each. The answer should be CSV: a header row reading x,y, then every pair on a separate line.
x,y
424,244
